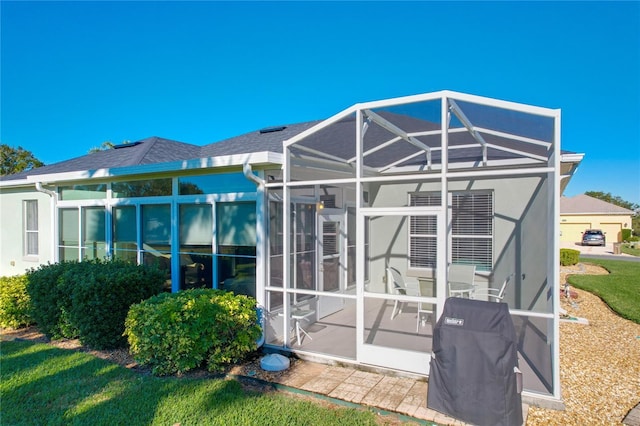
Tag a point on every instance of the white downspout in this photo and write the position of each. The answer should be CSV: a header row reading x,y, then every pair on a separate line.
x,y
52,194
248,173
260,248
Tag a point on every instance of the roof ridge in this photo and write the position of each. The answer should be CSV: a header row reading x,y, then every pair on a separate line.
x,y
145,149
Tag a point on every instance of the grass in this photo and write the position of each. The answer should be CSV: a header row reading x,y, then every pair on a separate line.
x,y
41,384
620,289
628,250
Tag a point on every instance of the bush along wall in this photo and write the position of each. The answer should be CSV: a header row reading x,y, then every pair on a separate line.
x,y
51,300
15,304
90,299
569,257
174,333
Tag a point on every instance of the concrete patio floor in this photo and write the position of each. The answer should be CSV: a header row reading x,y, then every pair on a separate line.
x,y
402,395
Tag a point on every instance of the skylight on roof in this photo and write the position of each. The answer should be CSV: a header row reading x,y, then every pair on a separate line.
x,y
272,129
126,145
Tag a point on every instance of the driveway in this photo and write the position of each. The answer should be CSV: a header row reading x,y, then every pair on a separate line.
x,y
599,252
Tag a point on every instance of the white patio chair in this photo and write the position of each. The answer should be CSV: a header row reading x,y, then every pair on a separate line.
x,y
397,285
493,293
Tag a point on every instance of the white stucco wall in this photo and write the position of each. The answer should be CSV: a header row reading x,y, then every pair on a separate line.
x,y
12,259
520,220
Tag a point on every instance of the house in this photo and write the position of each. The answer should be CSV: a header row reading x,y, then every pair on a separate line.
x,y
583,212
309,218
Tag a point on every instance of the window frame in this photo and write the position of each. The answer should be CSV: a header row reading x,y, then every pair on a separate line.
x,y
27,231
490,224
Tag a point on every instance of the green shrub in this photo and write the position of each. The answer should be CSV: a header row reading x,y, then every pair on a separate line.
x,y
51,300
89,299
15,305
569,257
174,333
102,293
626,234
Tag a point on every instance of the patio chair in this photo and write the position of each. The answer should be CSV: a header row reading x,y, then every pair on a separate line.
x,y
493,293
398,286
461,280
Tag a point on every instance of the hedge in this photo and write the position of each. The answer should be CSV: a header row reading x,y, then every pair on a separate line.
x,y
90,299
569,257
15,305
174,333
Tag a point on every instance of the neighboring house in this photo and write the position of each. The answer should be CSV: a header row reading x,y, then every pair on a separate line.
x,y
583,212
308,217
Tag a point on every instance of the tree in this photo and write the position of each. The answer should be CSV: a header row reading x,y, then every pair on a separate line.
x,y
613,199
106,145
15,160
618,201
103,147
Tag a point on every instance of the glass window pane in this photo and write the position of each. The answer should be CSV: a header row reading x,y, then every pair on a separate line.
x,y
236,224
124,224
32,244
94,223
30,228
31,213
69,254
142,188
69,222
124,233
156,238
156,227
94,240
215,184
237,269
196,235
196,225
83,192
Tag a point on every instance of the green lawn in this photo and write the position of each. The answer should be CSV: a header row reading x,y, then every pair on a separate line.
x,y
41,384
620,289
628,250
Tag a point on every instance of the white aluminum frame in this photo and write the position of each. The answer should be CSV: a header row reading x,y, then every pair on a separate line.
x,y
530,164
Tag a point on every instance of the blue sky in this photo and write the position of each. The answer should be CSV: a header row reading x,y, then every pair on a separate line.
x,y
75,74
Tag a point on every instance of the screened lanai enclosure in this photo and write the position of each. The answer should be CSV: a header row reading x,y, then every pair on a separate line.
x,y
378,207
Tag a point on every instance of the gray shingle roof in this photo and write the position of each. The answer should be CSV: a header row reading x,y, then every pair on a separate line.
x,y
256,141
584,204
156,150
146,151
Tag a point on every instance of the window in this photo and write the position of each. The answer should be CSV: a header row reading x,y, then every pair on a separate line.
x,y
30,226
142,188
423,232
81,233
125,239
236,237
196,234
471,230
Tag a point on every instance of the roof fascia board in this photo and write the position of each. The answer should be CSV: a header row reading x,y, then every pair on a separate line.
x,y
255,158
571,158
